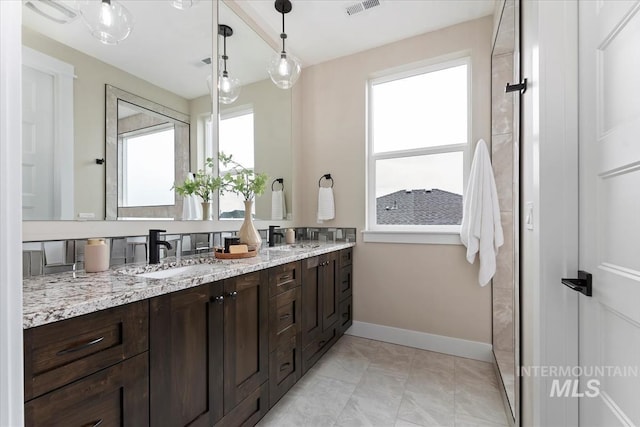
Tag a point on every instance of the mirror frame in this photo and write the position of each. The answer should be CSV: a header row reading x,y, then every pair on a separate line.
x,y
112,96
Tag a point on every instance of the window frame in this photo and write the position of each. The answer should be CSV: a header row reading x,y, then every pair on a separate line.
x,y
230,113
397,233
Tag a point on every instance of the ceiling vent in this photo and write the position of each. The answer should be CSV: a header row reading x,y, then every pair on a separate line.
x,y
53,10
362,6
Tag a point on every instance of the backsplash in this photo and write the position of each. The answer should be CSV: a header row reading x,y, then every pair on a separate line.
x,y
56,256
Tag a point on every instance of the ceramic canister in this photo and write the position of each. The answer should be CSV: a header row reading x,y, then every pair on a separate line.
x,y
96,256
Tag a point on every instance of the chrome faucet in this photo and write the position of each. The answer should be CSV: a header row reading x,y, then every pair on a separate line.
x,y
154,245
273,234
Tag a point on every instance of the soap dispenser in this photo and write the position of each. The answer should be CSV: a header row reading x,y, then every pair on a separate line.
x,y
290,236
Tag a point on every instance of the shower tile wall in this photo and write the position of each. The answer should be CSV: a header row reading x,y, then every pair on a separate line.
x,y
502,148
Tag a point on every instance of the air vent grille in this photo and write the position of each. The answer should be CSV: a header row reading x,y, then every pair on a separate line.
x,y
361,6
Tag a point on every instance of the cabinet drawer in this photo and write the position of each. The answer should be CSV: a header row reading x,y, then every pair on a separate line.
x,y
346,282
284,369
284,277
59,353
317,348
116,396
284,317
346,257
346,316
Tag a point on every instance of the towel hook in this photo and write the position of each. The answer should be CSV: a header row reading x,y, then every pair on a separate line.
x,y
279,181
326,176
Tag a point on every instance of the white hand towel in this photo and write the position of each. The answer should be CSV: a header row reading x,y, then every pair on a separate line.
x,y
191,207
481,231
326,204
278,205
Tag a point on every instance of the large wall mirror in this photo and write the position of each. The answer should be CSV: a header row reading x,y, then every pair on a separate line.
x,y
161,69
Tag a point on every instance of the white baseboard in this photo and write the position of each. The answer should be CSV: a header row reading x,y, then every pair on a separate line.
x,y
422,340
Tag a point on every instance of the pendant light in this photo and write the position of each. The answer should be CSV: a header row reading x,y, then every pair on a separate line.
x,y
184,4
108,20
228,87
284,69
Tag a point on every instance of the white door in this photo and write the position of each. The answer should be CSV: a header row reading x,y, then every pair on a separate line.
x,y
610,211
37,144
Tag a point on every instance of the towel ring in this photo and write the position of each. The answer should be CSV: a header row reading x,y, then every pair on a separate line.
x,y
326,176
278,180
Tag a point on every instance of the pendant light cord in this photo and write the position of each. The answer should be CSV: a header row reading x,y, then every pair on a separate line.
x,y
283,36
224,55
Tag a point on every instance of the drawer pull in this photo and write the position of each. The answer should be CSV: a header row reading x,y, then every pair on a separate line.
x,y
285,277
96,424
80,347
285,316
345,315
321,343
284,366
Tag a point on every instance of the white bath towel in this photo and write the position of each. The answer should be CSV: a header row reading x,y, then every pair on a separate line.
x,y
481,231
326,204
191,206
278,205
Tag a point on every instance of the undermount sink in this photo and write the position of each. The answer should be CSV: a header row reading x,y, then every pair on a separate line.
x,y
171,272
294,247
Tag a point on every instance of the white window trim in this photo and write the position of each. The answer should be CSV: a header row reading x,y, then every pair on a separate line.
x,y
414,234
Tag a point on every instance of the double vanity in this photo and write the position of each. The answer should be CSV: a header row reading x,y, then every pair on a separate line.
x,y
197,341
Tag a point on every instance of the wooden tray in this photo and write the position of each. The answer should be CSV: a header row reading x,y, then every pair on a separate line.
x,y
223,255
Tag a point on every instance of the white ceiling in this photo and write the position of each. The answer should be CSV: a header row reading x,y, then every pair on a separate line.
x,y
320,30
166,45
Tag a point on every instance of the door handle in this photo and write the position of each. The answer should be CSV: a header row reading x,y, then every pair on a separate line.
x,y
582,284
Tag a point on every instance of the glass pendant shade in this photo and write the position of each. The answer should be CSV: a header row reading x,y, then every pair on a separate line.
x,y
284,70
184,4
108,20
228,88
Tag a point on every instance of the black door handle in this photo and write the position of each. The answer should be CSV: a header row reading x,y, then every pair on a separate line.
x,y
582,284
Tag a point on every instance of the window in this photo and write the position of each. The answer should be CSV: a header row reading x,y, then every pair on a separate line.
x,y
236,138
417,144
148,167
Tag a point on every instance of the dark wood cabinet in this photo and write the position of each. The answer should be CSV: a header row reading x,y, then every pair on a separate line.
x,y
345,290
285,350
89,370
218,354
209,353
186,357
320,306
116,396
246,351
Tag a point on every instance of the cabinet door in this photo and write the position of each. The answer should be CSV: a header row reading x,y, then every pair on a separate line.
x,y
311,300
246,347
116,396
330,290
186,357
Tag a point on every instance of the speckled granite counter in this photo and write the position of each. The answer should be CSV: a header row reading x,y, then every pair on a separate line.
x,y
55,297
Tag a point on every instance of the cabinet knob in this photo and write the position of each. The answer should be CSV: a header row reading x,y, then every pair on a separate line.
x,y
219,299
232,294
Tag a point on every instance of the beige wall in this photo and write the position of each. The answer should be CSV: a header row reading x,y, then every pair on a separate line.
x,y
426,288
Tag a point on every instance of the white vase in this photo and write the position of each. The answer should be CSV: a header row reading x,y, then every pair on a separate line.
x,y
248,234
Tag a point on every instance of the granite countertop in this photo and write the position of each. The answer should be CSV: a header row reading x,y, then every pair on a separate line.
x,y
54,297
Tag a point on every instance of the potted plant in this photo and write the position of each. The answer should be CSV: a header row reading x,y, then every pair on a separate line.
x,y
247,183
203,185
237,179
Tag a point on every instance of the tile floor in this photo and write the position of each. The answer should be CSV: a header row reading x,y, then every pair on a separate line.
x,y
361,382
